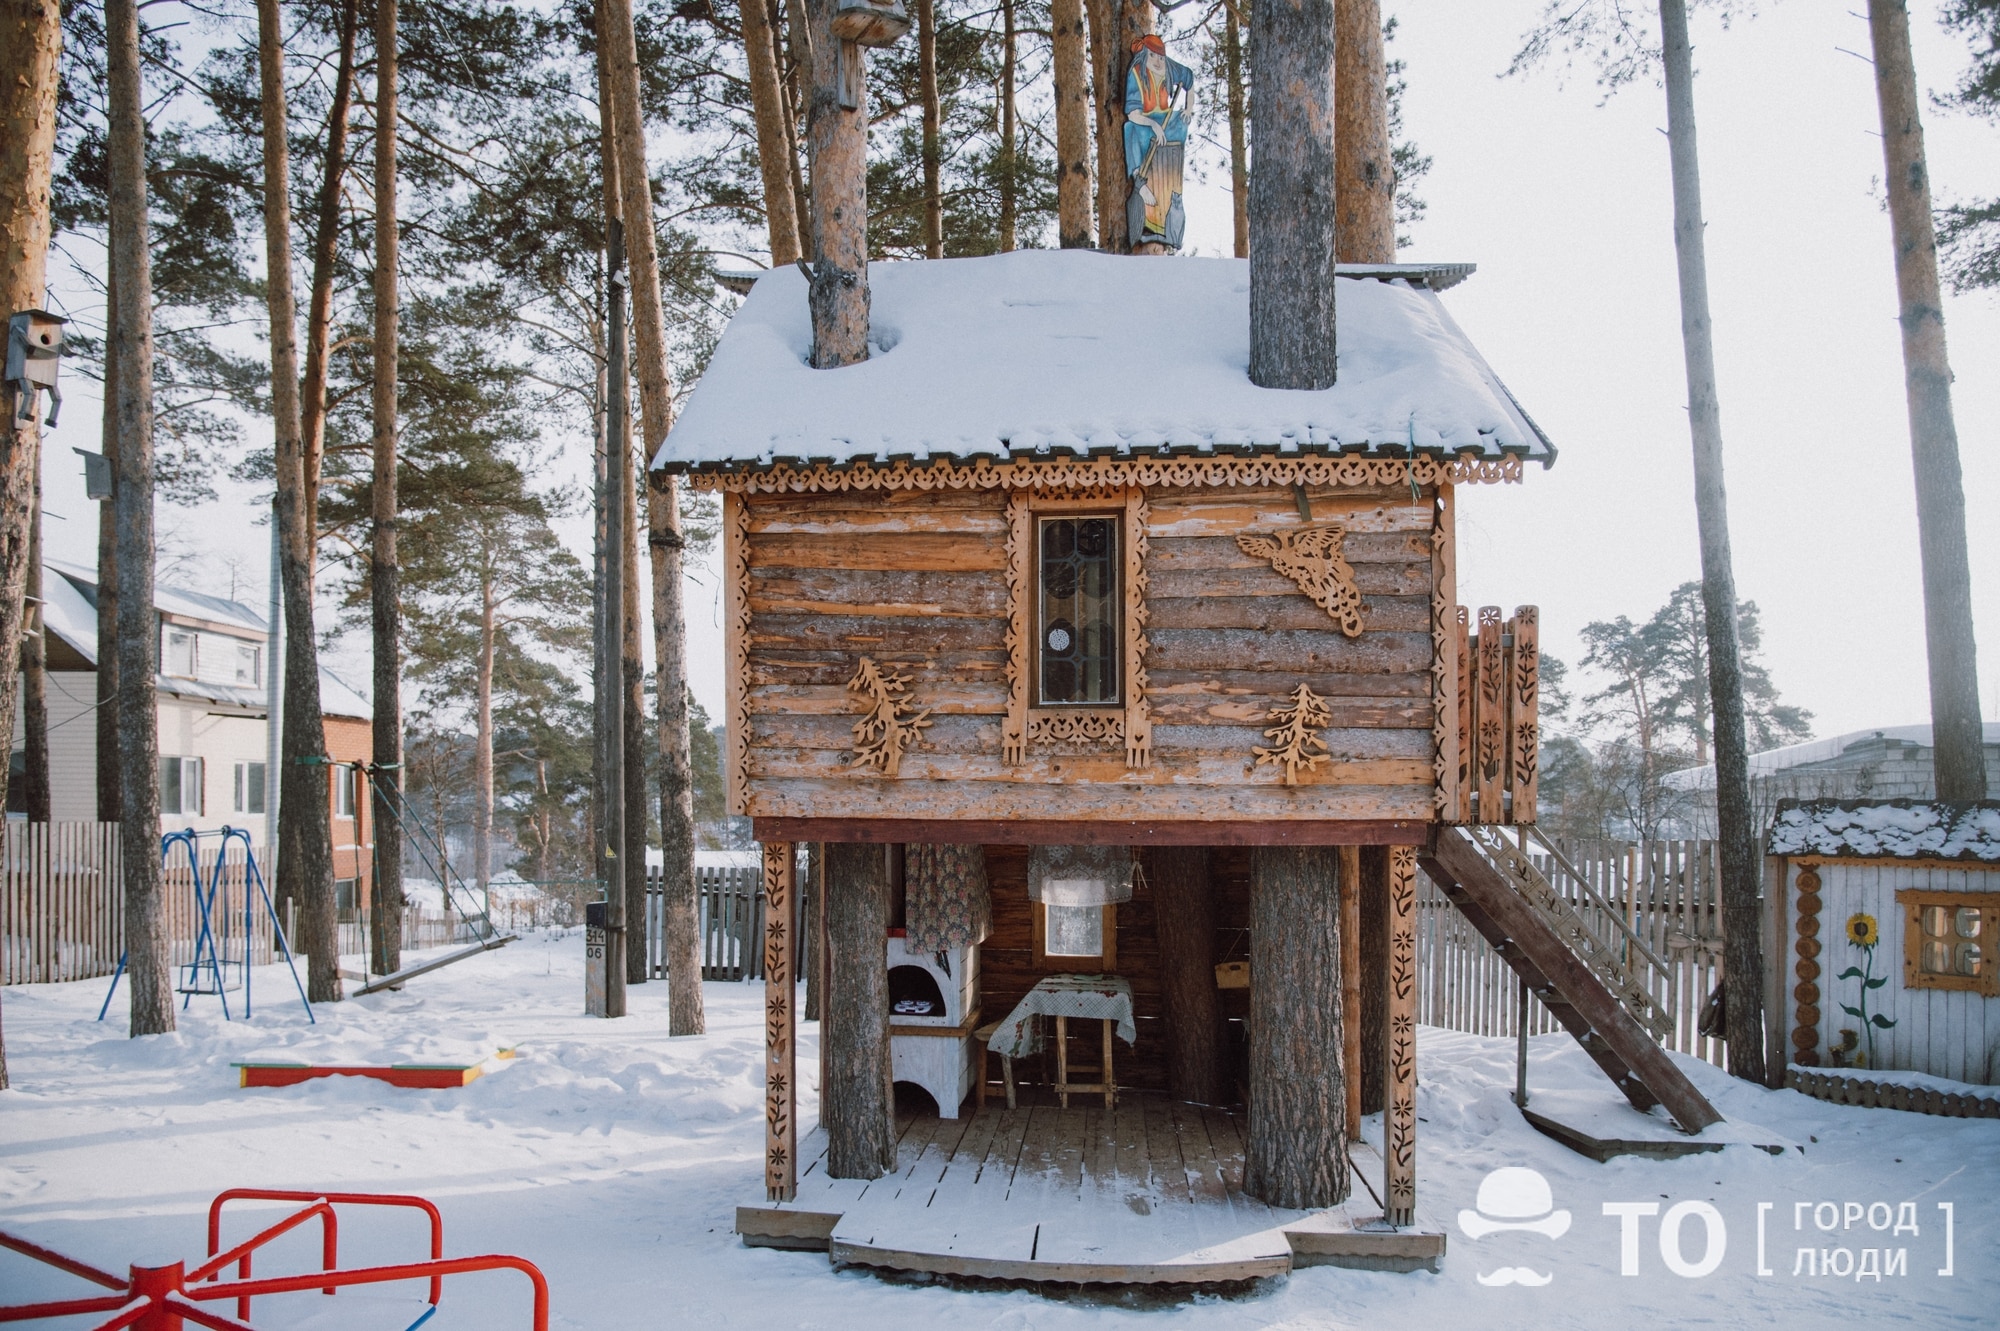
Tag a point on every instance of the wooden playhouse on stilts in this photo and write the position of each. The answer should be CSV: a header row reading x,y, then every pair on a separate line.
x,y
1125,700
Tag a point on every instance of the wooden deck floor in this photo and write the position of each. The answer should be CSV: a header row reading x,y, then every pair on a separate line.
x,y
1151,1192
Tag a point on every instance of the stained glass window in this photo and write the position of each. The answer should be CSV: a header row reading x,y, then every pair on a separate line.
x,y
1077,623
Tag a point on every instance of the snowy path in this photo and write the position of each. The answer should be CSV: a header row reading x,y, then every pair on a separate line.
x,y
614,1157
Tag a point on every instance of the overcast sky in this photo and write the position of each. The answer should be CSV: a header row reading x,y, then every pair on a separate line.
x,y
1565,206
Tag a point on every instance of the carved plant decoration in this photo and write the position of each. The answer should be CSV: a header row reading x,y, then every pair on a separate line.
x,y
881,736
1298,743
1310,556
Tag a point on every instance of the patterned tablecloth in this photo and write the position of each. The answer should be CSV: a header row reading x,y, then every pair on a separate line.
x,y
1100,997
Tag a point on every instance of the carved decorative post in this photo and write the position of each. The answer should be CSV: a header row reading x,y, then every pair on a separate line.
x,y
1399,1183
781,1097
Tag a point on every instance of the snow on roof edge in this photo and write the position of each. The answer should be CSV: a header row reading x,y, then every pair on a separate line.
x,y
1900,829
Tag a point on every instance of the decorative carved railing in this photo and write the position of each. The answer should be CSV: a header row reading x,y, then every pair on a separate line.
x,y
1499,735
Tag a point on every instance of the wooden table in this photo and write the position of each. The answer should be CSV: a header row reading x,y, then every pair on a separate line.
x,y
1102,998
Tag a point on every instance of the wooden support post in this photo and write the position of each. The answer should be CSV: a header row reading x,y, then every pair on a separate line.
x,y
857,1106
781,1128
1297,1150
1374,1016
1399,1155
1524,734
1349,859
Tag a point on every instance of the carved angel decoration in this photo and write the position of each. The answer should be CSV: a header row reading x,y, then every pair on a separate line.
x,y
1310,556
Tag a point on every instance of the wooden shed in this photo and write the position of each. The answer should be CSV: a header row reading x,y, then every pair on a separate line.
x,y
1904,892
1049,577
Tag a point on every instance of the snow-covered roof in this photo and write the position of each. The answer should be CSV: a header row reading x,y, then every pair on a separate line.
x,y
1888,829
1071,351
1772,761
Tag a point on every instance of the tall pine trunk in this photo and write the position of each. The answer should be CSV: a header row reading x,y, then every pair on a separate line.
x,y
664,539
148,969
384,574
769,113
35,670
857,1104
109,769
1296,1155
31,37
1956,733
1741,869
325,241
305,833
798,73
933,131
1291,195
1070,70
1239,126
837,143
482,723
614,441
1102,32
1184,906
1365,180
1009,191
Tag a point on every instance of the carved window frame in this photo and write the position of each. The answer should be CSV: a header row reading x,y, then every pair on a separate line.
x,y
1071,726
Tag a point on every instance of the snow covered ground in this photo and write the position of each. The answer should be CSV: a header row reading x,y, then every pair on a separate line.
x,y
613,1157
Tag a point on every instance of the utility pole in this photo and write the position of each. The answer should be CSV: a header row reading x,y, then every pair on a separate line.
x,y
614,484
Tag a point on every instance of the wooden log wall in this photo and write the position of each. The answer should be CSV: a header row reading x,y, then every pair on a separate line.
x,y
918,582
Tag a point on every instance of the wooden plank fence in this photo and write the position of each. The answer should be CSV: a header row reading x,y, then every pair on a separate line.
x,y
62,906
1667,892
730,904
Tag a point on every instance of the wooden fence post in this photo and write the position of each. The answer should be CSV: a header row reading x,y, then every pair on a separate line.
x,y
780,1027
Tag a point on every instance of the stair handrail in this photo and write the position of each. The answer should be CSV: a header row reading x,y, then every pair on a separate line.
x,y
1611,912
1601,956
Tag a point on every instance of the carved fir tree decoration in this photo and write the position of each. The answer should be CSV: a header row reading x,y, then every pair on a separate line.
x,y
1310,556
1299,744
881,736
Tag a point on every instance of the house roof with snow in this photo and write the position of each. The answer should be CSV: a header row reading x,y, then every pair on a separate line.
x,y
1051,352
1888,829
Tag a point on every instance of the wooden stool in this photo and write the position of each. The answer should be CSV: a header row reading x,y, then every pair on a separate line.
x,y
982,1035
1064,1086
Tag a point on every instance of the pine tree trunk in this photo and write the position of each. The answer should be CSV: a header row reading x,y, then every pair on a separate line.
x,y
108,766
809,917
1291,195
1070,68
1102,31
1184,906
1741,868
768,110
857,1104
1297,1150
607,599
798,43
664,538
384,573
632,749
482,722
35,670
1374,1015
837,142
1239,127
1364,188
1009,201
325,241
1956,732
31,37
148,969
305,832
933,117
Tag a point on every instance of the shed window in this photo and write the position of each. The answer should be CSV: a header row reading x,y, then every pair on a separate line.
x,y
1077,612
1950,939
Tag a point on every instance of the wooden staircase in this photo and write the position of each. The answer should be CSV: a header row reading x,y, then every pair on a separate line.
x,y
1592,985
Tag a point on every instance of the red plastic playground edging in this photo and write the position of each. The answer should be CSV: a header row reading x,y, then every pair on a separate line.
x,y
168,1298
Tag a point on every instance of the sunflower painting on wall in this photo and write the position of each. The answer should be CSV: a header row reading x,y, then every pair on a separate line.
x,y
1863,933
